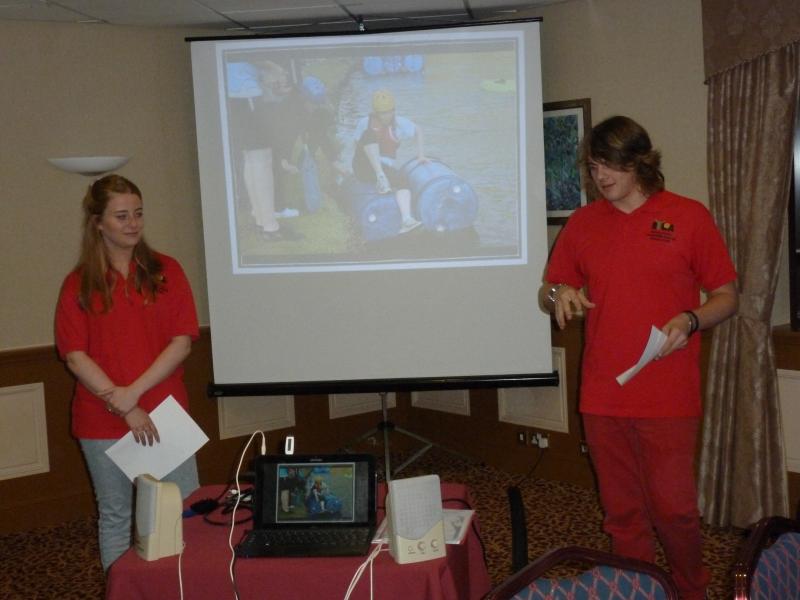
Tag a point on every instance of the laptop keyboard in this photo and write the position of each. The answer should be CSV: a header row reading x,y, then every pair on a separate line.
x,y
305,542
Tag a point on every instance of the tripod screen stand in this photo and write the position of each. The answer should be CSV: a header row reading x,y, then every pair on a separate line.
x,y
386,427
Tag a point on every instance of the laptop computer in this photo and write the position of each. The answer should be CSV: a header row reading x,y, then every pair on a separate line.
x,y
312,506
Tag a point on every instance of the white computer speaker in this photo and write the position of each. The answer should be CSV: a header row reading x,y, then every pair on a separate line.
x,y
159,518
414,519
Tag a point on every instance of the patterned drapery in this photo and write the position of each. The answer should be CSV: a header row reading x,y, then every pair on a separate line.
x,y
736,31
751,116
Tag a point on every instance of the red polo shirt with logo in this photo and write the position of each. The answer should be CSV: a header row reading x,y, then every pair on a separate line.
x,y
124,342
640,269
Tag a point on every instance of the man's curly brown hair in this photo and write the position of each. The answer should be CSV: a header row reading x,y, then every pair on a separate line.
x,y
621,143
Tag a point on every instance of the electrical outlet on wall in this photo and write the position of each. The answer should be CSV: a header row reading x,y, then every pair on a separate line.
x,y
542,440
521,438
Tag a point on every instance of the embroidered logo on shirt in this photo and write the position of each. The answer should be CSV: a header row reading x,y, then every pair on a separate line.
x,y
663,225
662,231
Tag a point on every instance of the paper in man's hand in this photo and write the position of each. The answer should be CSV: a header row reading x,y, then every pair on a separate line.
x,y
654,344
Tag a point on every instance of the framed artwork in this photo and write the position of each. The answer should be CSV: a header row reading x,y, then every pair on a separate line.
x,y
565,124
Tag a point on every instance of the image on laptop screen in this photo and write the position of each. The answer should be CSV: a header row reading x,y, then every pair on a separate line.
x,y
318,493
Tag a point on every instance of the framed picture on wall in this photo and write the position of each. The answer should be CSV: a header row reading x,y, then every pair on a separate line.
x,y
565,124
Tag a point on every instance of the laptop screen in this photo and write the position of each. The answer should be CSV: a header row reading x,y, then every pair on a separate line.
x,y
315,490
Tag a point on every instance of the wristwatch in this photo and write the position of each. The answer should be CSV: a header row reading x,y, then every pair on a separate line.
x,y
551,295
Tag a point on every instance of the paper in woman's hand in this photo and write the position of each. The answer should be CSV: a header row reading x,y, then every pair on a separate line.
x,y
180,438
651,350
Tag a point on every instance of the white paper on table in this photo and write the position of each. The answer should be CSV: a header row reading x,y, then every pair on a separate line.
x,y
651,350
180,438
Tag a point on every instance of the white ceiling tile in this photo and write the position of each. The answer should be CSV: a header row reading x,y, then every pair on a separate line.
x,y
258,14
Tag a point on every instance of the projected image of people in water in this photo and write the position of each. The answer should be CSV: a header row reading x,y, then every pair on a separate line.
x,y
375,155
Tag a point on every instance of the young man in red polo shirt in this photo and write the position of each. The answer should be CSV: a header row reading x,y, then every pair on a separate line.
x,y
635,258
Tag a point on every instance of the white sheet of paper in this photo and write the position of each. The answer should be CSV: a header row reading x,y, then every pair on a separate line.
x,y
180,438
651,350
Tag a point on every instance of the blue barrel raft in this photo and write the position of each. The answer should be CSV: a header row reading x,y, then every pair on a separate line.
x,y
392,64
372,65
413,63
243,80
444,200
377,215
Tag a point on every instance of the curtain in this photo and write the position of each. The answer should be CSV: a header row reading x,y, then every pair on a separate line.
x,y
751,116
735,31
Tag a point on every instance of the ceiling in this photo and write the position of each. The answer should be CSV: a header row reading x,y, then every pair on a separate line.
x,y
265,16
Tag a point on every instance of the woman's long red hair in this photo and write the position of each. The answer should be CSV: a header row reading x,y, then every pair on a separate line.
x,y
93,265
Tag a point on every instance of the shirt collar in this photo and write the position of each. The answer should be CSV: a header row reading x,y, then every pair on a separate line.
x,y
651,206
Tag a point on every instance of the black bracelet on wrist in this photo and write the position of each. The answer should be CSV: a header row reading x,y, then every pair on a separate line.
x,y
694,322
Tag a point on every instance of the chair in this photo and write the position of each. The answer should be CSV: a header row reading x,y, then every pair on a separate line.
x,y
768,565
519,529
610,577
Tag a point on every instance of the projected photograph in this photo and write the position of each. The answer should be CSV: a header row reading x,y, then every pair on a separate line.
x,y
322,493
345,155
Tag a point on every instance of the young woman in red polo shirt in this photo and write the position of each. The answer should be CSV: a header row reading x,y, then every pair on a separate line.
x,y
125,322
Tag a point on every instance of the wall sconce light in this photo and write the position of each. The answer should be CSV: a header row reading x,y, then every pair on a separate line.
x,y
89,165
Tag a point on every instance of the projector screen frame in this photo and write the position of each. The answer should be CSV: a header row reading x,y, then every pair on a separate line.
x,y
416,26
357,386
215,390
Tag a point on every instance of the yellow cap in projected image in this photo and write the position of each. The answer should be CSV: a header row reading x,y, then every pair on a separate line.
x,y
382,101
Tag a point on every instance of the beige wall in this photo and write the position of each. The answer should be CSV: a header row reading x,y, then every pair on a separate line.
x,y
640,58
94,89
82,90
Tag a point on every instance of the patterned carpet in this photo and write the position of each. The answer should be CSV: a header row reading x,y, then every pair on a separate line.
x,y
62,562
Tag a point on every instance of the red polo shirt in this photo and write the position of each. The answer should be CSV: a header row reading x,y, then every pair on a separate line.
x,y
641,269
124,342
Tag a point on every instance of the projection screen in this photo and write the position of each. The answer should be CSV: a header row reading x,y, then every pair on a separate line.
x,y
373,204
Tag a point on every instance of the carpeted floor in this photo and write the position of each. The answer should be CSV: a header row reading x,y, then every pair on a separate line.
x,y
62,562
